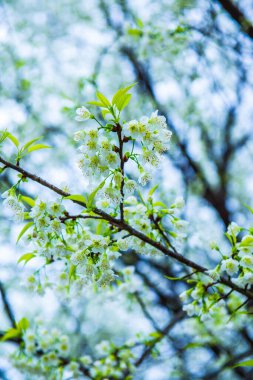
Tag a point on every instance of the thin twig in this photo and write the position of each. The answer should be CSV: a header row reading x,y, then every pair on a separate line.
x,y
179,316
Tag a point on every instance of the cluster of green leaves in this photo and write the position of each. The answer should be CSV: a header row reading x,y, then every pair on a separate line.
x,y
25,149
17,331
139,30
114,107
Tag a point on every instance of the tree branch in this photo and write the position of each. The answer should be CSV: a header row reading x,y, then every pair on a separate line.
x,y
179,316
126,227
238,16
7,306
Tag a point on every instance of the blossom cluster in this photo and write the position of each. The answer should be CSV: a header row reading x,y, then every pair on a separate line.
x,y
118,362
208,295
98,156
216,308
77,250
88,257
239,262
44,353
82,257
47,354
153,39
114,361
153,217
154,135
104,148
12,203
83,249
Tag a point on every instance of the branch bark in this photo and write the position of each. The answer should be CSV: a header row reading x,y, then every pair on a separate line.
x,y
238,16
122,225
7,306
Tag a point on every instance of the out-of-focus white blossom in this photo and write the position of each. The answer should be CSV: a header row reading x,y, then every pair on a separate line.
x,y
82,114
230,266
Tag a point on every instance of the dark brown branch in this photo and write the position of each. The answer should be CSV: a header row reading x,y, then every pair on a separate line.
x,y
126,227
237,15
74,217
7,306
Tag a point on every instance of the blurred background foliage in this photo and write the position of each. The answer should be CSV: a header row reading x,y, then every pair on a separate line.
x,y
193,62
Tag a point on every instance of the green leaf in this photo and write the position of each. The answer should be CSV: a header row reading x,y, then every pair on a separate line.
x,y
139,22
141,197
29,143
248,207
28,200
247,363
104,113
99,227
159,204
25,84
156,335
192,345
37,147
26,257
151,192
135,32
103,99
11,333
72,271
93,194
26,215
124,101
122,91
24,229
19,63
244,312
175,278
23,324
13,139
77,198
246,242
229,237
95,103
